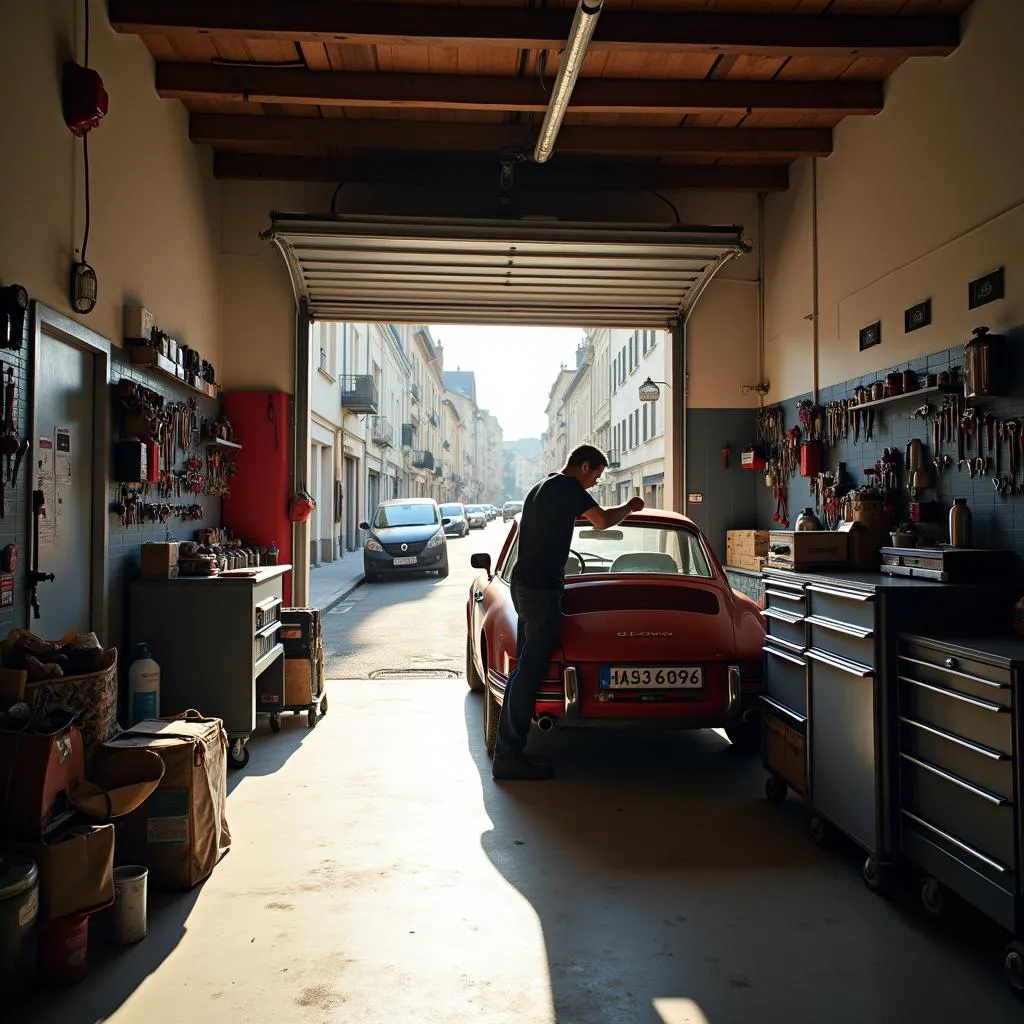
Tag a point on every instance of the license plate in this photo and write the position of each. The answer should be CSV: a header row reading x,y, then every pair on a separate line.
x,y
651,677
407,560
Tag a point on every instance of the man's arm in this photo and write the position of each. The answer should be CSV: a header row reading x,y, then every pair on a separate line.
x,y
605,518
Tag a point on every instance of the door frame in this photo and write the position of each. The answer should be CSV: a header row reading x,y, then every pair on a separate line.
x,y
63,328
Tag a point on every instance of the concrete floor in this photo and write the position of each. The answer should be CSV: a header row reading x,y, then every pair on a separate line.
x,y
379,876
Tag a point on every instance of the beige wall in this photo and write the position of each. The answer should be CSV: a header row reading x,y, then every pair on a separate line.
x,y
912,204
155,218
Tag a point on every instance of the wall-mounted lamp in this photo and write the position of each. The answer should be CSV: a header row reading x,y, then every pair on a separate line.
x,y
649,390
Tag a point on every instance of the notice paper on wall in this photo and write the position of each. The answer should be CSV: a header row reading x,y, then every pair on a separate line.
x,y
61,473
47,524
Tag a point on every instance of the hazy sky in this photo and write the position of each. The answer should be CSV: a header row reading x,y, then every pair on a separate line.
x,y
514,366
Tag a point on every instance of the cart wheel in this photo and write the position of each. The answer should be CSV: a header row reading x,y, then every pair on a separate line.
x,y
275,723
1013,966
775,789
238,754
820,830
933,897
877,876
311,716
323,705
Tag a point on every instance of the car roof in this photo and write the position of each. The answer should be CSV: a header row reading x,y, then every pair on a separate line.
x,y
658,517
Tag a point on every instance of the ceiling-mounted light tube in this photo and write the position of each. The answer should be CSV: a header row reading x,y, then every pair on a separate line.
x,y
583,24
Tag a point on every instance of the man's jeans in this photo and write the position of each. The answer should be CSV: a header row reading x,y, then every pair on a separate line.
x,y
540,619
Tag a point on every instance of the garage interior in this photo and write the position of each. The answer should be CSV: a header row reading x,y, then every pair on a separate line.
x,y
836,162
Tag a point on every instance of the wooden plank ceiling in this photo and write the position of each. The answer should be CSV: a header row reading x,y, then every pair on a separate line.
x,y
720,94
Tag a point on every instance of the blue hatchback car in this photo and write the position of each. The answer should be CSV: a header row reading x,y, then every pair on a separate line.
x,y
406,535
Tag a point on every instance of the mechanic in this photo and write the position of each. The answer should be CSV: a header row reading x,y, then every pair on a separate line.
x,y
549,514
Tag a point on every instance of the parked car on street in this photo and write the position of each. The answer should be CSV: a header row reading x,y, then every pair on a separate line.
x,y
477,516
652,634
510,510
492,512
405,535
455,513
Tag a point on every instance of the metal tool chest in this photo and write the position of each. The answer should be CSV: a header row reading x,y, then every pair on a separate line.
x,y
216,641
959,703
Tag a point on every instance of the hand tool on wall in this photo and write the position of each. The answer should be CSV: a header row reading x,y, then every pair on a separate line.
x,y
725,456
35,577
9,442
1011,449
22,450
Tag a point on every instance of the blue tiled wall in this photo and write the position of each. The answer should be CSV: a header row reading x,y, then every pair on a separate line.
x,y
998,521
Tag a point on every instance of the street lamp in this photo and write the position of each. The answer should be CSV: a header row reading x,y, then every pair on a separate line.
x,y
649,390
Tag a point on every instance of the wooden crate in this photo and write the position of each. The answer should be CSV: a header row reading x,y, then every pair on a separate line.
x,y
755,563
303,679
749,543
784,751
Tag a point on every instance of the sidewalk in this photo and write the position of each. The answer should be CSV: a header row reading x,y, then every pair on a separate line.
x,y
332,582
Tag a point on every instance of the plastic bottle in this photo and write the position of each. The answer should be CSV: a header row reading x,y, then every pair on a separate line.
x,y
960,524
143,686
272,553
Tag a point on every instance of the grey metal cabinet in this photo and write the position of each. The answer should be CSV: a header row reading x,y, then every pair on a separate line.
x,y
216,641
960,775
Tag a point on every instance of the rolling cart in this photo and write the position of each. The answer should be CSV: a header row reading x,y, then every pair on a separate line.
x,y
301,635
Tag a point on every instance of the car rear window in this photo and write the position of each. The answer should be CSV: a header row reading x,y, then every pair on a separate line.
x,y
638,547
451,510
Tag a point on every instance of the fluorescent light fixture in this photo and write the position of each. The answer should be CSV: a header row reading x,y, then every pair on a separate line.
x,y
583,24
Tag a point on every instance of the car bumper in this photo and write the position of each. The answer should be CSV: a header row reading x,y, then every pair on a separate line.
x,y
376,563
477,521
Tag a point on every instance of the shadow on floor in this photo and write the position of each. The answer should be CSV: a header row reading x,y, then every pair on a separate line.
x,y
669,890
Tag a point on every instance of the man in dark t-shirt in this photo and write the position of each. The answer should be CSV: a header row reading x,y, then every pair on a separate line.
x,y
546,523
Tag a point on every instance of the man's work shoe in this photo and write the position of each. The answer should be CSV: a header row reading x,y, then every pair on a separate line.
x,y
520,768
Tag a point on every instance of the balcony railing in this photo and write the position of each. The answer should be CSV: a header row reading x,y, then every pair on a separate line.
x,y
434,421
408,430
414,390
359,393
614,459
381,432
423,460
438,470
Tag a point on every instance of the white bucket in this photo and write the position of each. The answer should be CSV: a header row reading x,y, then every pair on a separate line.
x,y
130,904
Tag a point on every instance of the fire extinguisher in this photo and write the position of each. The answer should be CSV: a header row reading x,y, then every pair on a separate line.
x,y
301,506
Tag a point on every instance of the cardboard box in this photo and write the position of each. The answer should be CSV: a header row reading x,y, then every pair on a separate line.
x,y
181,831
303,679
160,560
801,550
76,871
747,542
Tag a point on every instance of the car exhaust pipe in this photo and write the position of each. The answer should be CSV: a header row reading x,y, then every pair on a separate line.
x,y
545,723
749,716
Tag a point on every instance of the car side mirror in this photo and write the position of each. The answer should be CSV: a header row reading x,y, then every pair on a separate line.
x,y
481,560
446,522
364,526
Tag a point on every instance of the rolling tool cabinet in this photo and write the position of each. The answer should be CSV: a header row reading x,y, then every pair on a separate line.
x,y
959,703
216,641
830,695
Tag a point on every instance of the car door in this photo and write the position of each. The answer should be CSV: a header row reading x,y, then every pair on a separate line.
x,y
493,615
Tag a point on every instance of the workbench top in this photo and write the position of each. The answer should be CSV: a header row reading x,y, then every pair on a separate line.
x,y
868,580
249,577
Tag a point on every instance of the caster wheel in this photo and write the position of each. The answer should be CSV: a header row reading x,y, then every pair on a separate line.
x,y
820,831
775,789
238,754
311,716
275,723
877,876
1013,966
933,897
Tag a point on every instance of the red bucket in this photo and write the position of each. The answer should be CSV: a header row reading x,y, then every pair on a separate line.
x,y
64,949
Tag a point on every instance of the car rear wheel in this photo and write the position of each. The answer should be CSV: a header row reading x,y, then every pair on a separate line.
x,y
476,684
491,713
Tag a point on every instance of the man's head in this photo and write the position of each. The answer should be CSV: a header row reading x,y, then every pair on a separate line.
x,y
586,464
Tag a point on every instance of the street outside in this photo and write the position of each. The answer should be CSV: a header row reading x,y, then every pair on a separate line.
x,y
408,623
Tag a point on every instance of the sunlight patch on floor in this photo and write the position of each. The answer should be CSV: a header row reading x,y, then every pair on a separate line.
x,y
680,1011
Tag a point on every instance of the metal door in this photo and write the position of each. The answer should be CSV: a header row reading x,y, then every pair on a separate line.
x,y
64,417
351,504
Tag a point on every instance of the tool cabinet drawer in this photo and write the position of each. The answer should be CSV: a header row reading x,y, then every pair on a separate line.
x,y
786,596
787,626
963,675
265,640
855,643
267,611
977,720
856,608
981,818
785,675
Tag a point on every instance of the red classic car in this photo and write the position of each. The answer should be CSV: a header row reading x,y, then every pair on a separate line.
x,y
652,633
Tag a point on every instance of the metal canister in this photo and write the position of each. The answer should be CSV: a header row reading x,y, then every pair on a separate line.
x,y
985,364
960,524
19,906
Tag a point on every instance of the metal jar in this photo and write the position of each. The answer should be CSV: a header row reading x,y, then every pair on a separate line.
x,y
985,365
960,524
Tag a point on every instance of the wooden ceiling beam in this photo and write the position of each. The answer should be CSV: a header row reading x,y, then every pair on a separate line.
x,y
379,24
470,92
569,175
317,136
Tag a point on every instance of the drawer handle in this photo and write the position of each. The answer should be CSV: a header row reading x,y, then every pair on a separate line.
x,y
788,617
992,798
955,672
785,597
270,627
775,581
852,668
848,595
958,843
781,709
840,627
792,658
977,702
786,645
994,755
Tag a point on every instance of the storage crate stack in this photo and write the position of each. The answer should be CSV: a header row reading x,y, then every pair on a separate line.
x,y
746,549
302,636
